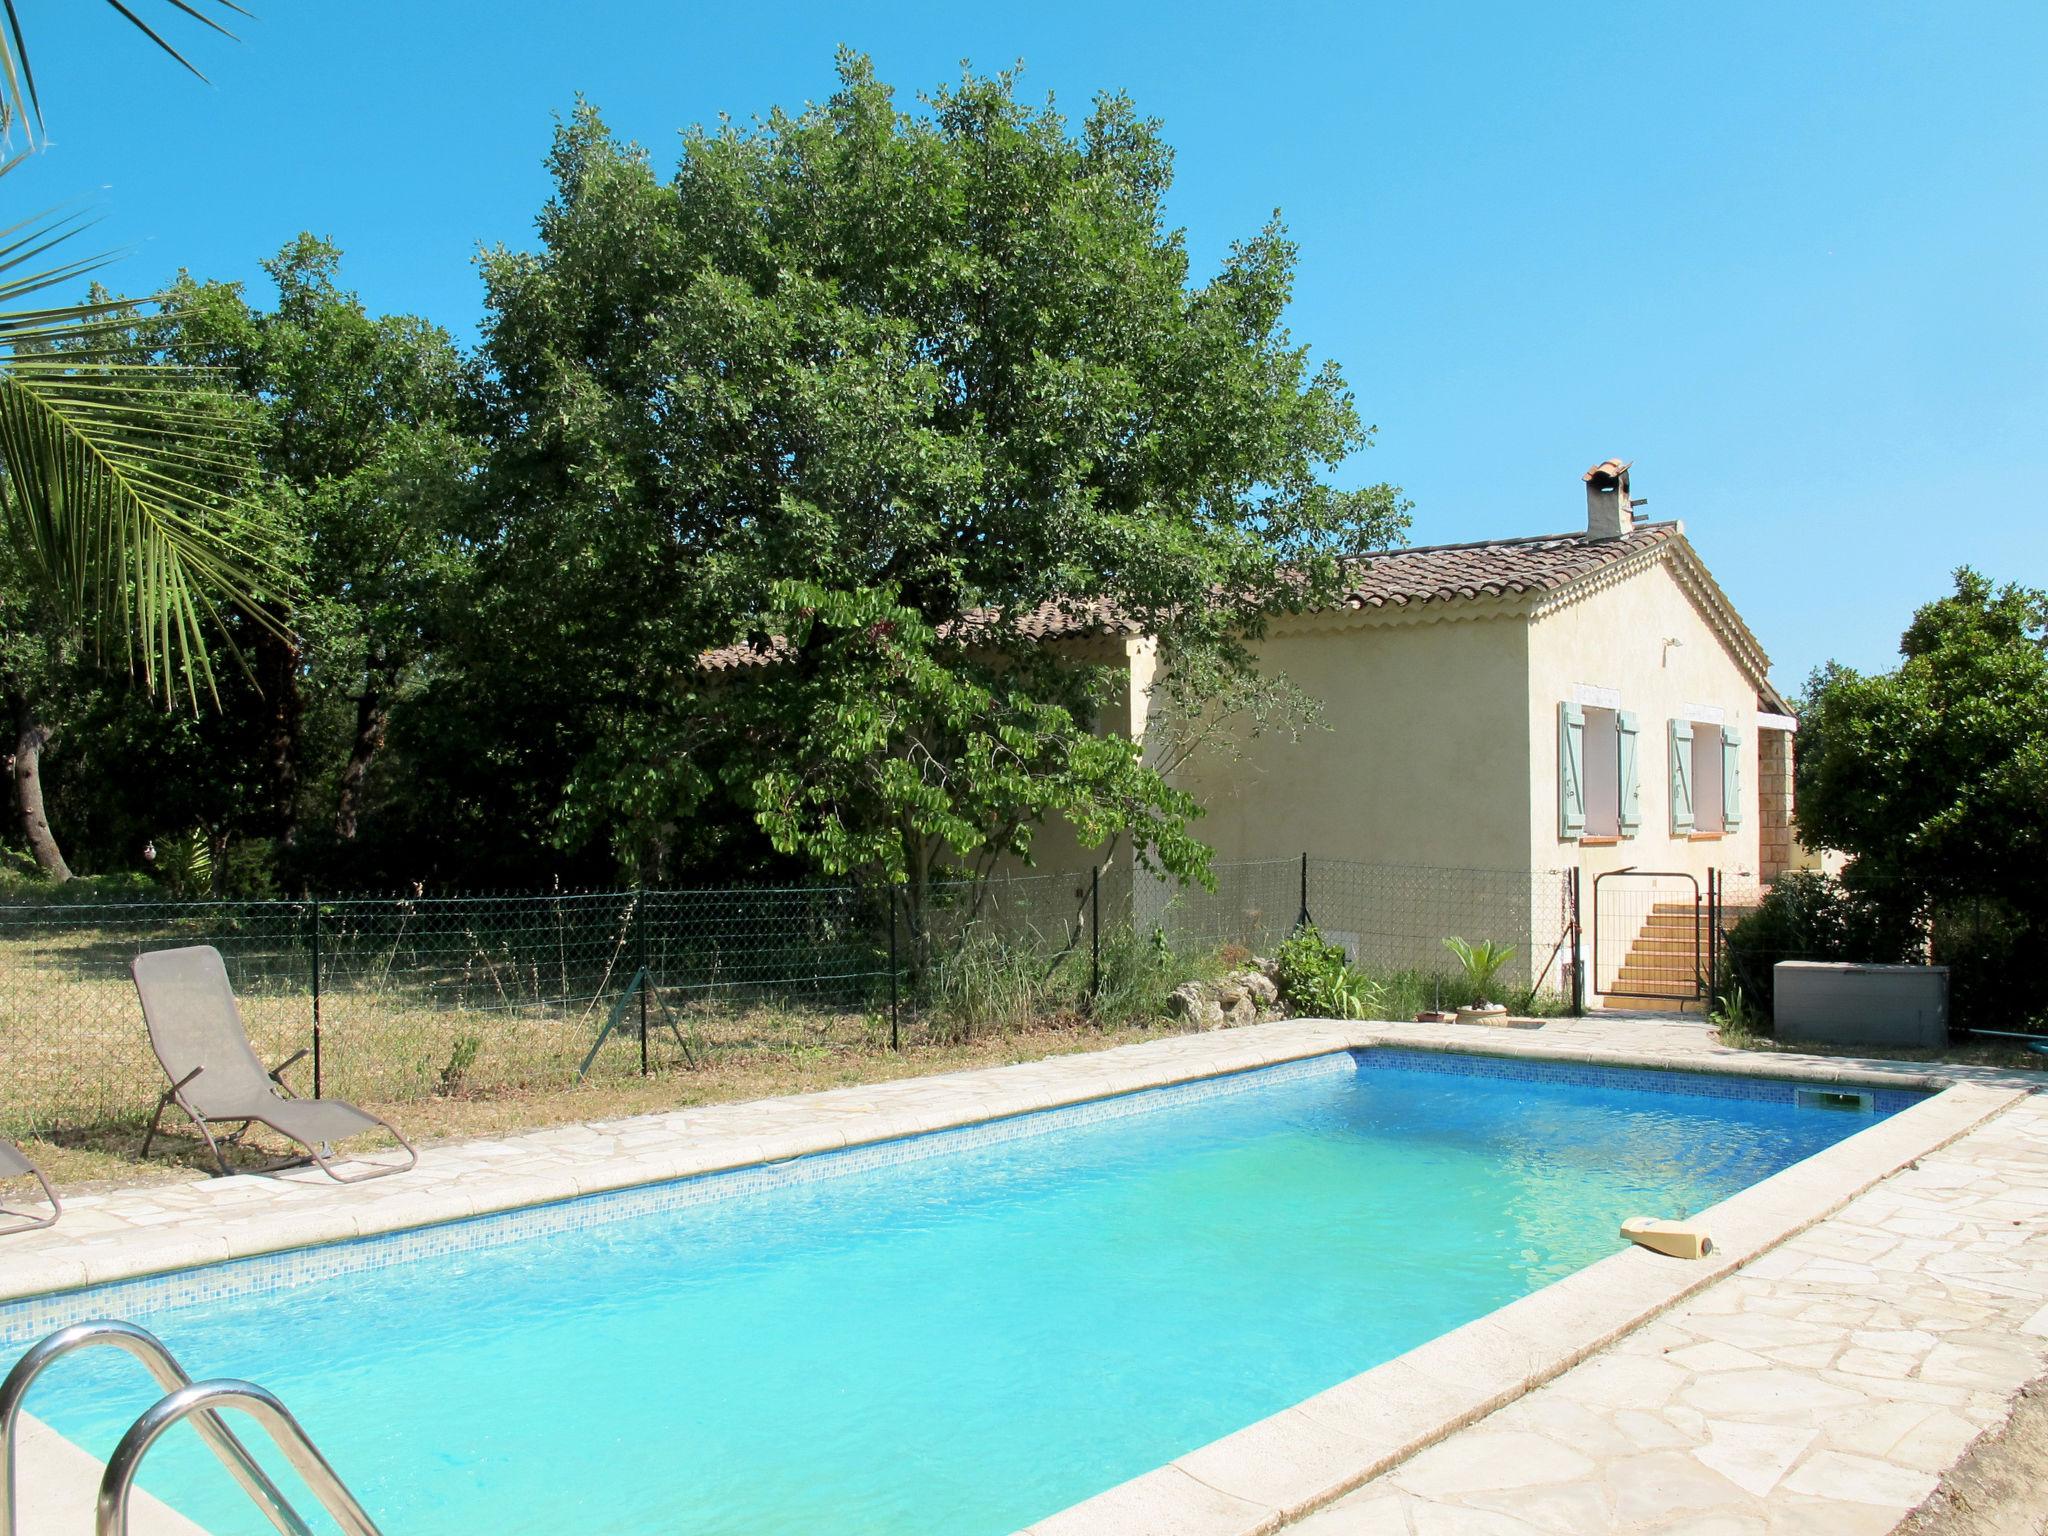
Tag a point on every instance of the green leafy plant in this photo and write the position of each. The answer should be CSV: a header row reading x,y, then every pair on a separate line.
x,y
184,862
1482,963
986,982
461,1057
1316,979
1738,1020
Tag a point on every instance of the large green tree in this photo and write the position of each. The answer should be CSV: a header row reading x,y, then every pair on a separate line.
x,y
1931,776
361,452
845,378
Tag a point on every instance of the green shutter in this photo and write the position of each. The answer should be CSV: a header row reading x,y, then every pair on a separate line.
x,y
1681,778
1731,778
1571,771
1631,794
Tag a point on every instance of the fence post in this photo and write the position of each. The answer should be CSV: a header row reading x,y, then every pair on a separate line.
x,y
895,1038
1094,936
1713,987
316,994
1302,919
640,966
1578,952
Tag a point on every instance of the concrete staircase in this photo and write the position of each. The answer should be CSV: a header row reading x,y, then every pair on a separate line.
x,y
1658,972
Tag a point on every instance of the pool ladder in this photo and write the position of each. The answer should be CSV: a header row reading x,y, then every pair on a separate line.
x,y
184,1399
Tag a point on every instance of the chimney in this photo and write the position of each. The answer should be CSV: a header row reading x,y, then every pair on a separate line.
x,y
1609,512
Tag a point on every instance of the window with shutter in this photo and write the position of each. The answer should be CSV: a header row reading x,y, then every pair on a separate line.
x,y
1731,778
1571,771
1681,778
1629,789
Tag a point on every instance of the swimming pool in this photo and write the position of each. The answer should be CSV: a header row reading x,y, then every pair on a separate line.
x,y
960,1332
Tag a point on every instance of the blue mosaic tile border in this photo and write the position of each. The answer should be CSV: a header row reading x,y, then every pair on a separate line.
x,y
1697,1085
30,1318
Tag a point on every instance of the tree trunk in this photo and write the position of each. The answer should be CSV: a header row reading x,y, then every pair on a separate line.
x,y
31,735
372,715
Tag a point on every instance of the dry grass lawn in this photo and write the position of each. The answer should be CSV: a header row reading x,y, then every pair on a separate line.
x,y
107,1155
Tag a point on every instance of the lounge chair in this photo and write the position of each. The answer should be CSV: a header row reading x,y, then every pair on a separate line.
x,y
13,1165
196,1028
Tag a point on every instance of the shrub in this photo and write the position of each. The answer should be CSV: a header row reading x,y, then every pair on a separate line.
x,y
1481,963
1995,976
990,981
184,862
1317,980
1811,916
455,1071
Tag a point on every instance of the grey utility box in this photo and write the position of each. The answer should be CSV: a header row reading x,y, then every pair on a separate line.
x,y
1861,1004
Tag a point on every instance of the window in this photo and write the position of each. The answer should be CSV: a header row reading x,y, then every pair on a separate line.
x,y
1597,792
1603,774
1706,778
1707,793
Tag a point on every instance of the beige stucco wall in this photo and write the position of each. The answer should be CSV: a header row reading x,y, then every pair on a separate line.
x,y
1614,638
1420,758
1417,772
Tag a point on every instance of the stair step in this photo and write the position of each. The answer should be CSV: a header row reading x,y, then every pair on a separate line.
x,y
1635,971
1652,1005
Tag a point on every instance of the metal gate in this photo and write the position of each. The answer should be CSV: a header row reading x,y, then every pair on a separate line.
x,y
1652,937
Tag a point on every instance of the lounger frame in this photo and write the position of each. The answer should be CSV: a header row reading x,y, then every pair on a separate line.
x,y
319,1153
12,1220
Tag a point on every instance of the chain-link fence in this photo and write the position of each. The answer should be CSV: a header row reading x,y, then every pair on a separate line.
x,y
400,998
1389,918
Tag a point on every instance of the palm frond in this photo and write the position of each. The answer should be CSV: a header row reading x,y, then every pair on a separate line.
x,y
115,492
24,105
117,476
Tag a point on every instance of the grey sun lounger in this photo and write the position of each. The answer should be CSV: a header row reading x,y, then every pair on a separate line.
x,y
196,1028
13,1165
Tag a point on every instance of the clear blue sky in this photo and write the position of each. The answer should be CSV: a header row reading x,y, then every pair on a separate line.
x,y
1791,259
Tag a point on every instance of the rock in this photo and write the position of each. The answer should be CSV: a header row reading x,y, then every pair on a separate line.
x,y
1191,1000
1263,990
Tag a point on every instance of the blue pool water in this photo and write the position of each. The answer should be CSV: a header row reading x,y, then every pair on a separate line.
x,y
958,1343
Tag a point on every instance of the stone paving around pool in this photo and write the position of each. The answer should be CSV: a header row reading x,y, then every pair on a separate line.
x,y
1823,1388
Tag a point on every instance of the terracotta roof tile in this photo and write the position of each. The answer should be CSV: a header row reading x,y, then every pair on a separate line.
x,y
1398,578
1438,573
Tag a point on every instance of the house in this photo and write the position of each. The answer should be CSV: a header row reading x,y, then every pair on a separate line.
x,y
1524,726
1522,707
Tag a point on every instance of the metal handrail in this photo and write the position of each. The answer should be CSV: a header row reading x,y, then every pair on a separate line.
x,y
170,1376
200,1400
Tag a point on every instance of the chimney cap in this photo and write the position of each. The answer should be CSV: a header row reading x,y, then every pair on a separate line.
x,y
1608,469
